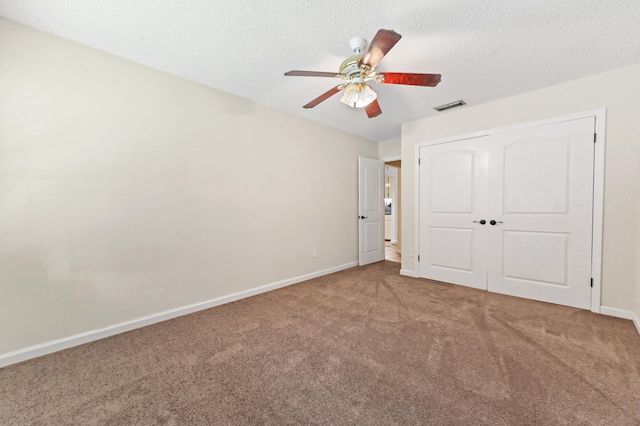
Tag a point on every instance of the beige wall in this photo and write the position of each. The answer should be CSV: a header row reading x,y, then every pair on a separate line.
x,y
618,91
389,149
125,191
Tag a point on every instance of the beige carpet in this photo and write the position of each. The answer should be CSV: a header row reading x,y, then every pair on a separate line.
x,y
361,347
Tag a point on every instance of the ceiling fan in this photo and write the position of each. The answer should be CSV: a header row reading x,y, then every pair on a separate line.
x,y
360,68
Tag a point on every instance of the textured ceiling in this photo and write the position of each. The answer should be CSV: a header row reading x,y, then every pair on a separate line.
x,y
485,50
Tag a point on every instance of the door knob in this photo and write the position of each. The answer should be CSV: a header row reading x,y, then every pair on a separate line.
x,y
481,222
363,217
493,222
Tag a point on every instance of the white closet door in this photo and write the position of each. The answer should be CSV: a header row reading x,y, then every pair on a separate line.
x,y
453,188
540,195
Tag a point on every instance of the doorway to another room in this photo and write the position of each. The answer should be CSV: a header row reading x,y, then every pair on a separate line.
x,y
392,211
390,252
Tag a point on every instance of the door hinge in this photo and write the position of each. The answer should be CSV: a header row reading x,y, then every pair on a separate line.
x,y
595,137
418,161
418,258
591,282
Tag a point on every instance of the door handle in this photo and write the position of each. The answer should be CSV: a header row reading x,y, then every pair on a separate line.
x,y
481,222
363,217
493,222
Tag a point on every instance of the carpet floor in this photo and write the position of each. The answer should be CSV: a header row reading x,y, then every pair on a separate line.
x,y
364,346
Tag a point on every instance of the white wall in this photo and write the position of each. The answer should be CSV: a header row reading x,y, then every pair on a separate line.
x,y
389,150
619,92
125,191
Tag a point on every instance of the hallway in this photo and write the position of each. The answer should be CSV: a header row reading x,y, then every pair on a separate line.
x,y
390,252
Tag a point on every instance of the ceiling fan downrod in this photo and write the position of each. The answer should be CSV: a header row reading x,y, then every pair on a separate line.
x,y
357,45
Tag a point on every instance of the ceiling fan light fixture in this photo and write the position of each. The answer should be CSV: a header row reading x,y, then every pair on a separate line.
x,y
367,95
350,96
358,95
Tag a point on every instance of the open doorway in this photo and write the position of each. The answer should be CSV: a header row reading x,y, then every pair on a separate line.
x,y
392,211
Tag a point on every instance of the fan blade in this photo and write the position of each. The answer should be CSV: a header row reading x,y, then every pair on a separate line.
x,y
380,46
297,73
430,80
373,109
324,96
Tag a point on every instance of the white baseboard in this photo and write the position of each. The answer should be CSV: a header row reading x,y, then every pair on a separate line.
x,y
408,273
90,336
619,313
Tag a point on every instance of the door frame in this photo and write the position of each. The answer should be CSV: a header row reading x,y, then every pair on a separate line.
x,y
394,205
600,116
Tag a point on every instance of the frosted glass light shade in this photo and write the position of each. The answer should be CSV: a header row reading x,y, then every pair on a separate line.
x,y
367,95
351,95
358,95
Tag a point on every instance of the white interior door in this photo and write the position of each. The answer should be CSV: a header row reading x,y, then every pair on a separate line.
x,y
371,210
453,204
541,197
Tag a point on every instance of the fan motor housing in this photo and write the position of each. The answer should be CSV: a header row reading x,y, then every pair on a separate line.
x,y
350,65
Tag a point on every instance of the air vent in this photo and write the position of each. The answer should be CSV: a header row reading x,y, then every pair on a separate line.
x,y
450,105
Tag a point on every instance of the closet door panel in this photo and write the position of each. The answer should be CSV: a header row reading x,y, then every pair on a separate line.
x,y
453,188
540,197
